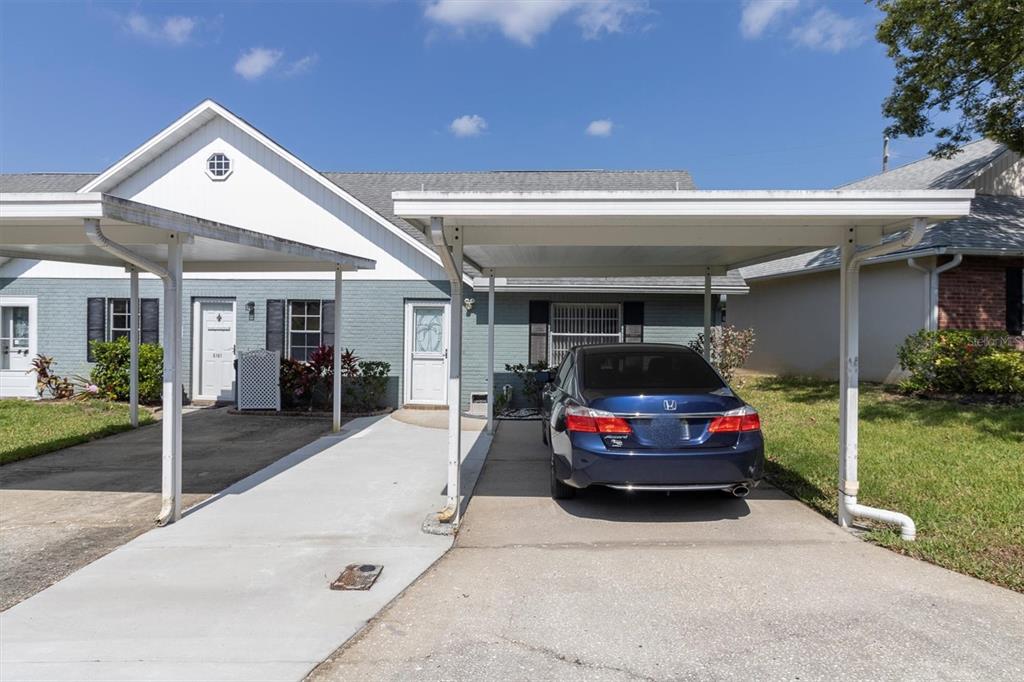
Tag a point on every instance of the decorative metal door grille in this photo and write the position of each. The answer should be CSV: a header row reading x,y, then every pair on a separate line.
x,y
581,324
259,376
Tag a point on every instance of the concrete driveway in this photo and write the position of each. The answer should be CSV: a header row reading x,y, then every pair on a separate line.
x,y
63,510
239,588
617,587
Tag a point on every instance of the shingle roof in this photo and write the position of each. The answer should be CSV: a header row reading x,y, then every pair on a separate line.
x,y
44,182
929,173
995,223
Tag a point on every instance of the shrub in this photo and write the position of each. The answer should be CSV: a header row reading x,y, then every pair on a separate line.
x,y
527,375
961,361
113,362
310,384
730,348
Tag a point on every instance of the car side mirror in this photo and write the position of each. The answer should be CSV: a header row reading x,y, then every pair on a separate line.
x,y
543,377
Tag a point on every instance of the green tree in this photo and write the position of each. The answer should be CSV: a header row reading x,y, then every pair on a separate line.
x,y
964,56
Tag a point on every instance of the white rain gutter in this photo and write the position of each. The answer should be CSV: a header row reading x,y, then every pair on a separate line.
x,y
932,286
100,240
849,487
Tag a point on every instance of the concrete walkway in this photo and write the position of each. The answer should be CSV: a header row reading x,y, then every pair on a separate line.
x,y
65,509
238,590
611,586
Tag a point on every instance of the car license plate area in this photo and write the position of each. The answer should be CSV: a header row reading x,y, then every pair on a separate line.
x,y
664,433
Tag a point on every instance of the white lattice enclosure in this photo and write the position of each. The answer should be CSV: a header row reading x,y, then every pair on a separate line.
x,y
259,376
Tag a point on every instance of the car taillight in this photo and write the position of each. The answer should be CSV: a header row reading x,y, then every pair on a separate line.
x,y
743,419
585,420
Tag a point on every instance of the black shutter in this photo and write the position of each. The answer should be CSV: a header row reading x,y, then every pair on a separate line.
x,y
1014,300
540,313
275,325
149,328
633,321
95,325
327,323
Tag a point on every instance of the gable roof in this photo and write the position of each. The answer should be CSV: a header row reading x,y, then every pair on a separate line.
x,y
929,173
995,226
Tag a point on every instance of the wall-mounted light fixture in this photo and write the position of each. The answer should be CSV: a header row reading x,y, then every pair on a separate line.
x,y
250,308
468,304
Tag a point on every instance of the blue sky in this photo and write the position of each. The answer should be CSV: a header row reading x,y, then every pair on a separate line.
x,y
777,94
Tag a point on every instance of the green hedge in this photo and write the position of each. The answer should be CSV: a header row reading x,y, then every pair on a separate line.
x,y
962,361
111,372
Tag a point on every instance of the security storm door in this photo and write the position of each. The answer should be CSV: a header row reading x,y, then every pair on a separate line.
x,y
214,336
426,374
17,346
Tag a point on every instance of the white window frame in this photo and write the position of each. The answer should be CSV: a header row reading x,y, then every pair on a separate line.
x,y
604,337
214,176
110,318
288,326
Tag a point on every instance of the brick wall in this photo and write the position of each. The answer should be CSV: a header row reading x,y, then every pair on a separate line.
x,y
973,294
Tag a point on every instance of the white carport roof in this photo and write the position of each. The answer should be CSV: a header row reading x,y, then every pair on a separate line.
x,y
666,233
49,227
662,233
92,227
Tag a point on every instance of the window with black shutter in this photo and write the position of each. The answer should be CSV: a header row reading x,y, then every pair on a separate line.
x,y
540,312
108,319
275,325
1014,300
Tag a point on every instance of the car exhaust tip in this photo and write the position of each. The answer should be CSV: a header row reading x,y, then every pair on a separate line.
x,y
740,491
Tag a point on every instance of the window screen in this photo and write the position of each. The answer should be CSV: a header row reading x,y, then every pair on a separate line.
x,y
581,324
670,369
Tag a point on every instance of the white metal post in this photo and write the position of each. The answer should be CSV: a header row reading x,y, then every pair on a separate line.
x,y
707,314
134,318
848,377
491,388
171,480
336,387
455,387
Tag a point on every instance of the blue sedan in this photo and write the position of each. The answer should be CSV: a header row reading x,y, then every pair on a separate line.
x,y
647,417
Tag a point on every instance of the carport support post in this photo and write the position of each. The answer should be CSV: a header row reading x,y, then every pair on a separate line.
x,y
455,386
336,383
707,314
171,479
849,376
134,317
490,353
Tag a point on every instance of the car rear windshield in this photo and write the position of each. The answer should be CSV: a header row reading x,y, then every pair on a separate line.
x,y
676,370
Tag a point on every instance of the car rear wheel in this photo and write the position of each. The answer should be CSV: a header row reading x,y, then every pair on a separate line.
x,y
560,490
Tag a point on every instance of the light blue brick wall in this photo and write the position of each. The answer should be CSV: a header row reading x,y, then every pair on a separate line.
x,y
373,318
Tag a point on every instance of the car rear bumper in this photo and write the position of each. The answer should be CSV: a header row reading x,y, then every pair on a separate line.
x,y
699,469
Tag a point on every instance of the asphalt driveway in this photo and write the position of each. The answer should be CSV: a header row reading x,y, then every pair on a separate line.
x,y
65,509
611,586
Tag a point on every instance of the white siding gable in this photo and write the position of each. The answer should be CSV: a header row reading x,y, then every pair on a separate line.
x,y
267,193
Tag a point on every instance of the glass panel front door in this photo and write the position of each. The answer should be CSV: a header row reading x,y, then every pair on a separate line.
x,y
14,338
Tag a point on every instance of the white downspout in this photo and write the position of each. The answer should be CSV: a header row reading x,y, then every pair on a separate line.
x,y
451,258
932,287
850,377
170,509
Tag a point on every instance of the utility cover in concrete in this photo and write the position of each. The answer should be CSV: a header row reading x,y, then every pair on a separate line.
x,y
357,577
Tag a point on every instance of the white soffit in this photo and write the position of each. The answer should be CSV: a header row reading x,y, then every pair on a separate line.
x,y
50,227
665,233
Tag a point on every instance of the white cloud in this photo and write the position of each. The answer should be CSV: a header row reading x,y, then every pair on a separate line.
x,y
758,15
828,31
256,62
524,20
602,127
176,30
469,125
301,66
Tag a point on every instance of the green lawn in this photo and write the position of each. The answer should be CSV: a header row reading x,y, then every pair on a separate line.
x,y
29,428
957,470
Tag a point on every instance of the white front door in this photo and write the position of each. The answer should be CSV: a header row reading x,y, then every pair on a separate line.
x,y
17,346
426,343
215,361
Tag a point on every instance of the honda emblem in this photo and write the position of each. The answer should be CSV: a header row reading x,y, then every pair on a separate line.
x,y
670,405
